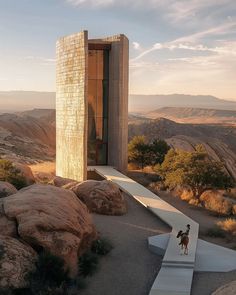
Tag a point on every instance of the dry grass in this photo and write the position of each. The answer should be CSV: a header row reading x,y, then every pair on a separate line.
x,y
228,225
216,202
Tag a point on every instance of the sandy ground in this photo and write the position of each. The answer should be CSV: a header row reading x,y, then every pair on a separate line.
x,y
130,268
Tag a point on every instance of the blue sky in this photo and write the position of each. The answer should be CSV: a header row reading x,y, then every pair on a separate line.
x,y
185,46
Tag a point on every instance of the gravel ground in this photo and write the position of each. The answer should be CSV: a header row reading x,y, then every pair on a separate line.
x,y
130,268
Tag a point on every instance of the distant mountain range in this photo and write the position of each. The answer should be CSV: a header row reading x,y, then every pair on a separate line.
x,y
12,101
194,115
147,103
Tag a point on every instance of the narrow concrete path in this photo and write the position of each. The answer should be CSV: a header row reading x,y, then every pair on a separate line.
x,y
175,276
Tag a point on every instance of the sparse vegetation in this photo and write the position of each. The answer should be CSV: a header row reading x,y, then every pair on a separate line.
x,y
88,264
50,273
101,246
11,174
228,225
144,153
194,169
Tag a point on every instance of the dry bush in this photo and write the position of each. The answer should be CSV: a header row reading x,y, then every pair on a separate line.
x,y
133,166
187,195
215,201
194,202
157,186
228,225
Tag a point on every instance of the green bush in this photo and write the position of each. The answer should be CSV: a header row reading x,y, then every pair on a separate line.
x,y
88,264
216,232
49,273
11,174
101,246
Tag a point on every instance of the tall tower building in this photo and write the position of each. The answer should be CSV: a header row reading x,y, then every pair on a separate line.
x,y
91,104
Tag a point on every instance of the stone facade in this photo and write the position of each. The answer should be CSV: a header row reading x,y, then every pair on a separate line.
x,y
72,104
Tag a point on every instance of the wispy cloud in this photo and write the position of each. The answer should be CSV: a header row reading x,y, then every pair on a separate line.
x,y
186,41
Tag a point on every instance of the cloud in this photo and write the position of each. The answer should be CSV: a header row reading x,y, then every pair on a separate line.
x,y
186,42
40,58
136,46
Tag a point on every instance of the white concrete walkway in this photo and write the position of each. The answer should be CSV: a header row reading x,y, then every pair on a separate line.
x,y
175,276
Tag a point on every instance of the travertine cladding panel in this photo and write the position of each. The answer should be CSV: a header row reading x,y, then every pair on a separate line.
x,y
71,106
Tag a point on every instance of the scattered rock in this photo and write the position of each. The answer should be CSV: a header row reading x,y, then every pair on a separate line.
x,y
53,219
228,289
215,201
16,261
60,181
103,197
6,189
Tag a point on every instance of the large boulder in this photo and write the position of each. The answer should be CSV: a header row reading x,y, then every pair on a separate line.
x,y
228,289
53,219
7,226
6,189
103,197
215,201
25,172
16,261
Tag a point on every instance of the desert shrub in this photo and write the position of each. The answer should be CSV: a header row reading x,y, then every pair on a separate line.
x,y
228,225
49,273
216,202
144,153
101,246
216,232
194,169
88,264
11,174
194,202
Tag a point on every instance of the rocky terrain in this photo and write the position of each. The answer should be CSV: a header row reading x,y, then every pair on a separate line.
x,y
219,140
28,137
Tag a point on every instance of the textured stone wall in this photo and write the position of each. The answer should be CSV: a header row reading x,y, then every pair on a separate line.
x,y
71,106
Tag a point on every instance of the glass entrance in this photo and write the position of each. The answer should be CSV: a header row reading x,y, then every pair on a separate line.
x,y
98,91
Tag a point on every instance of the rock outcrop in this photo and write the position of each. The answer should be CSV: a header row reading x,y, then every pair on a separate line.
x,y
16,261
228,289
53,219
103,197
6,189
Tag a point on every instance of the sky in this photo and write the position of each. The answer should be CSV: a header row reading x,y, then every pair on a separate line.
x,y
184,46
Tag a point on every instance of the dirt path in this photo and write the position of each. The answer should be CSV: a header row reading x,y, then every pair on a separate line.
x,y
130,268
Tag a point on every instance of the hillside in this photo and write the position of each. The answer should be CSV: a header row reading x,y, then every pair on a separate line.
x,y
147,103
194,115
219,140
28,136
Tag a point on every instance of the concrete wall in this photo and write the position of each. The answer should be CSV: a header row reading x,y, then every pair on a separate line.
x,y
71,106
118,102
